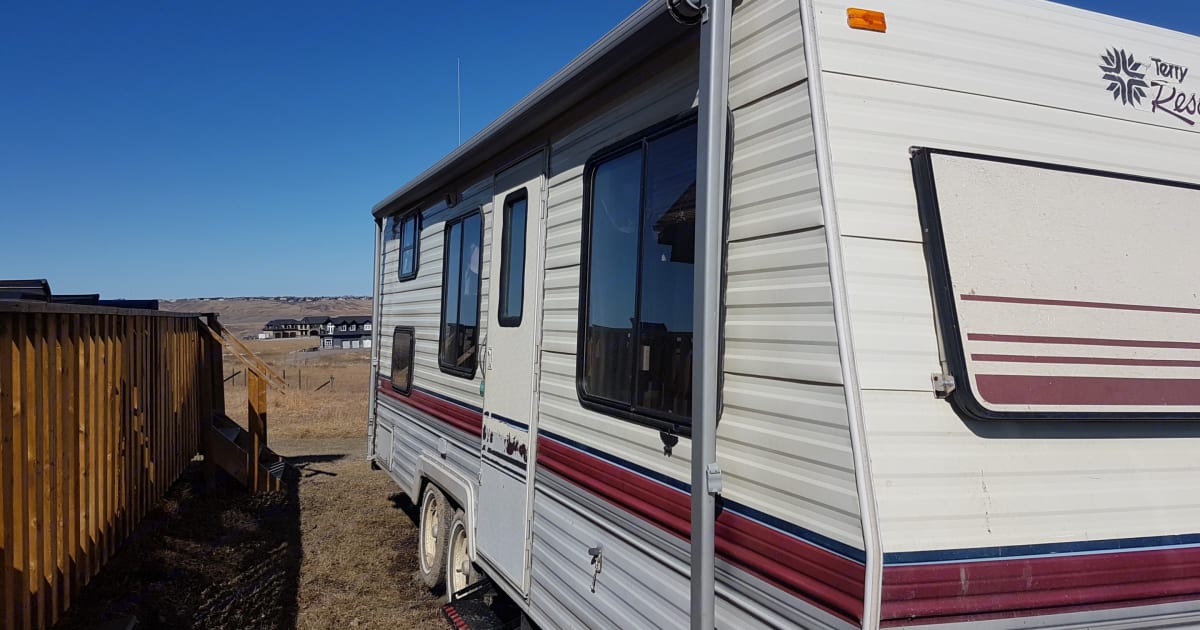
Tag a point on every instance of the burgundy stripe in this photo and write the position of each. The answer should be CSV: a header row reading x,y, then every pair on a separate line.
x,y
1027,358
970,297
1012,389
1037,586
454,415
1086,341
829,581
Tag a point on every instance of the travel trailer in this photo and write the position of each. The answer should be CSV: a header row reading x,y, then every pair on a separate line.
x,y
928,269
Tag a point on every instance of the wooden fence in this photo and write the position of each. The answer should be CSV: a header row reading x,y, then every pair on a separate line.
x,y
100,410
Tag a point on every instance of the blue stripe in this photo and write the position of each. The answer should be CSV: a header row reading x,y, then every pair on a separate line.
x,y
510,422
774,522
1145,543
449,399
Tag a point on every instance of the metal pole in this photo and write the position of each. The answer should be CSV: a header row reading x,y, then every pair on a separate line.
x,y
710,221
376,335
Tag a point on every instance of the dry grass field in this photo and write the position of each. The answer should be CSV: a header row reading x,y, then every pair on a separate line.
x,y
246,316
336,410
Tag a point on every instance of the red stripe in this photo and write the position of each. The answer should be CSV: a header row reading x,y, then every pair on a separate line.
x,y
1027,358
1086,341
1012,389
1038,586
828,580
457,416
969,297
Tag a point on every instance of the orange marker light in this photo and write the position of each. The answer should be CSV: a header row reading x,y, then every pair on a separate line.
x,y
866,20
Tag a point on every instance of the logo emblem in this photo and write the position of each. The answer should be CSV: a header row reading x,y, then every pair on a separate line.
x,y
1124,79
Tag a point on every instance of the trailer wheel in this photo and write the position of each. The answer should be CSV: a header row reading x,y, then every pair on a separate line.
x,y
431,541
460,572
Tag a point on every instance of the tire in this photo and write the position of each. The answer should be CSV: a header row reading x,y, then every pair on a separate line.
x,y
432,537
460,572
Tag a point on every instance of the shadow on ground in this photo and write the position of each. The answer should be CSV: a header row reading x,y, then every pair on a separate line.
x,y
210,556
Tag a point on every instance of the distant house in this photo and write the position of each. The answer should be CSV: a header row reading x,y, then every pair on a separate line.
x,y
347,332
283,328
352,331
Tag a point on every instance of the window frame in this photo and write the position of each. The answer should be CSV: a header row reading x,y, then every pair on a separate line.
x,y
963,399
415,218
665,422
505,242
442,365
412,358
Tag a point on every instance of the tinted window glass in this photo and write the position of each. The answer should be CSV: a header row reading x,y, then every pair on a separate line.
x,y
512,262
402,359
409,238
636,349
460,305
612,278
664,375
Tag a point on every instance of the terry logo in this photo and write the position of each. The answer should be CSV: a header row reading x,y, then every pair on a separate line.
x,y
1130,81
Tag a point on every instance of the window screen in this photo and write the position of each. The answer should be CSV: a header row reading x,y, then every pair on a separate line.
x,y
403,340
410,238
635,353
460,295
512,259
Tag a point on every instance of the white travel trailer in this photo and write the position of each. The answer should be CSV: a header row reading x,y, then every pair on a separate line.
x,y
956,333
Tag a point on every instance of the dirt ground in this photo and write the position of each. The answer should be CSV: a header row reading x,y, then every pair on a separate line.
x,y
359,538
337,550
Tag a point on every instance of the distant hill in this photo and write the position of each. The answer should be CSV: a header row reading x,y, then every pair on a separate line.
x,y
247,315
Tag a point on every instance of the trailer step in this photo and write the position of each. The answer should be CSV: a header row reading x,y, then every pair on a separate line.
x,y
480,606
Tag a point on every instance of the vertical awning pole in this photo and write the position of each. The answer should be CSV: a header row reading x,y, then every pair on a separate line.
x,y
376,333
710,222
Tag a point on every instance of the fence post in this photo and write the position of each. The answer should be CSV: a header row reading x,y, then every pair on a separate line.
x,y
256,400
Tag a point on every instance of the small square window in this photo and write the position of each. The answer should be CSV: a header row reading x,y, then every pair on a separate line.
x,y
403,344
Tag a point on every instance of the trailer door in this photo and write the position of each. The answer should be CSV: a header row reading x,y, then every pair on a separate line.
x,y
510,404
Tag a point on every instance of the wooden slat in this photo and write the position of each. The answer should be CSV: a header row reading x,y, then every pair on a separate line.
x,y
70,464
99,413
10,585
19,491
51,419
92,445
34,365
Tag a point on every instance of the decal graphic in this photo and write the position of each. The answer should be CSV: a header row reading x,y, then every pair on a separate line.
x,y
1155,86
1124,80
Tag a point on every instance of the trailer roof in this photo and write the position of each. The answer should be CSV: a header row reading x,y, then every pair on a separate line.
x,y
615,52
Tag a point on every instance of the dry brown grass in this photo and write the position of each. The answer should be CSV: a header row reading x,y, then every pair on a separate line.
x,y
359,542
336,410
245,316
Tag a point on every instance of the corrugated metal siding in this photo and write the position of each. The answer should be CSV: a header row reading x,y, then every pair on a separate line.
x,y
783,440
413,434
943,483
644,581
1022,50
418,302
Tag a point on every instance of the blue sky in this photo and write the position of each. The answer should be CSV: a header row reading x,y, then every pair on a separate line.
x,y
205,148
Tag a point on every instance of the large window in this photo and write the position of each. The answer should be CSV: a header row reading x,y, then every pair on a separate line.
x,y
462,253
512,259
409,229
403,341
635,341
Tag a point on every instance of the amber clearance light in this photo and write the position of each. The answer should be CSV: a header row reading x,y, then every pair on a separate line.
x,y
866,20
